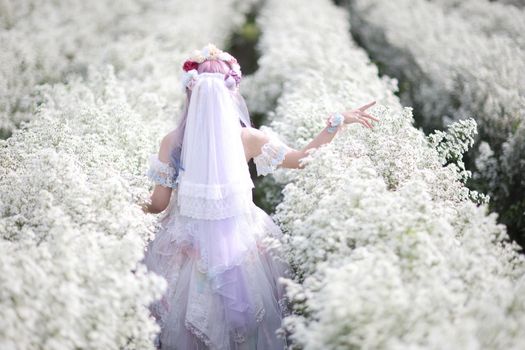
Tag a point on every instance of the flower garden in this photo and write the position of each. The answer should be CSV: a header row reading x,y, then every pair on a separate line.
x,y
396,239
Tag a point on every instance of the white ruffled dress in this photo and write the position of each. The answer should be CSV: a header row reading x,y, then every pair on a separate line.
x,y
223,288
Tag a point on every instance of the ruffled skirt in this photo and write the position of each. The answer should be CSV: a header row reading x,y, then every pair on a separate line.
x,y
223,276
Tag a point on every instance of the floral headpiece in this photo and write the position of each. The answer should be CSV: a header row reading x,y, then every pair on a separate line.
x,y
210,52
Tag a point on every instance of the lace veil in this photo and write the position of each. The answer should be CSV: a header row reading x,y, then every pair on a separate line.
x,y
215,182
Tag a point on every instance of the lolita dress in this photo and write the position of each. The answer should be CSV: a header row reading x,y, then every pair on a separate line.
x,y
223,285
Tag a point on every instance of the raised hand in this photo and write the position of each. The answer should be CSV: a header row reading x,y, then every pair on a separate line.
x,y
359,115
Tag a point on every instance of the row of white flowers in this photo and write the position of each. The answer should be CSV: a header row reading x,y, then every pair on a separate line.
x,y
72,234
389,250
44,42
455,68
457,60
489,17
517,3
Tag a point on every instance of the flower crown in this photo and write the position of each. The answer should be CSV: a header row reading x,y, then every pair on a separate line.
x,y
210,52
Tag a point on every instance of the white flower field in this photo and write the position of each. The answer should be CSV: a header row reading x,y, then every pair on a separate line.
x,y
72,232
390,249
458,59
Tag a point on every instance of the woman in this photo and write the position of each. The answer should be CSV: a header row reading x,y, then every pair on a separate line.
x,y
217,250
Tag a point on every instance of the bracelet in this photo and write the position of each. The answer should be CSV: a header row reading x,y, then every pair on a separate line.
x,y
334,121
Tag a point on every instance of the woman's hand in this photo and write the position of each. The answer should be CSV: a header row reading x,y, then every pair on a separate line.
x,y
145,206
358,115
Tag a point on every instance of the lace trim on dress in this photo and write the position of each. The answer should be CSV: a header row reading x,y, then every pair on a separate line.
x,y
160,172
272,154
221,191
204,208
198,333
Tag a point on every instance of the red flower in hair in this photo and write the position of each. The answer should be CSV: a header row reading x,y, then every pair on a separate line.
x,y
189,65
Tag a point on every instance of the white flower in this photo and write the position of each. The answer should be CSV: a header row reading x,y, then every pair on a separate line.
x,y
205,52
225,56
188,78
236,68
214,52
210,51
197,56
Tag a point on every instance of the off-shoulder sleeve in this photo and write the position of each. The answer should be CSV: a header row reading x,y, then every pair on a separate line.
x,y
272,153
160,172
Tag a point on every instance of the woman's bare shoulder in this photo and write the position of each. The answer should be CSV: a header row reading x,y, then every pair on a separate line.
x,y
169,137
253,139
254,135
165,146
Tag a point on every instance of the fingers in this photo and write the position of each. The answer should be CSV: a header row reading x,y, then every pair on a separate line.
x,y
360,116
368,116
370,126
365,107
365,123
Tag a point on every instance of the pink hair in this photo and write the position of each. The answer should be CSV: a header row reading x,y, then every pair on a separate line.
x,y
208,66
214,66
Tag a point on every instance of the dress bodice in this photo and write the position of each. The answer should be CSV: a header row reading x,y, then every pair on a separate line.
x,y
271,156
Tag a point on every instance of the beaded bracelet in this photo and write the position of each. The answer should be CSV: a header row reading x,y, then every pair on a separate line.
x,y
334,121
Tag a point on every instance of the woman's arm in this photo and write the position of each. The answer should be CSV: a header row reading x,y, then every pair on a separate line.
x,y
293,156
291,160
161,195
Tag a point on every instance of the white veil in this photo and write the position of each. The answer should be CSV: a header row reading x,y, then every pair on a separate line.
x,y
214,195
215,182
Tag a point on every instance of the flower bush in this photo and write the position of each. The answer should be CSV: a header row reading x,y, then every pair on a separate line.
x,y
44,42
39,46
490,18
390,249
72,234
459,59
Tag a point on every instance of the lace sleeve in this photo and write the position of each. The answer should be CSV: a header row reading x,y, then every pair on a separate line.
x,y
272,153
160,172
